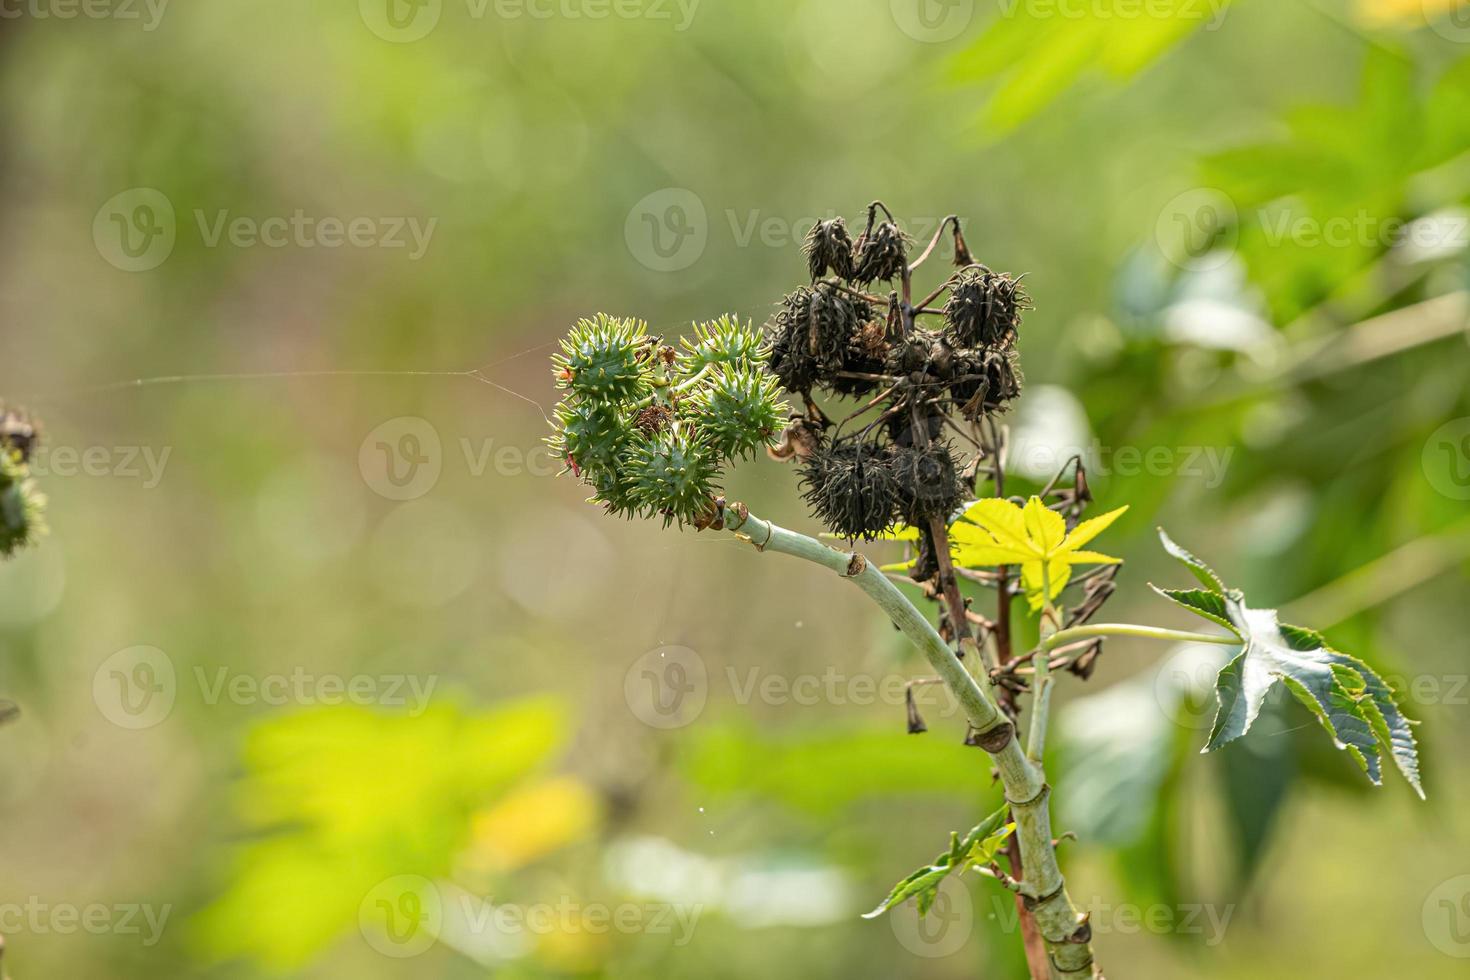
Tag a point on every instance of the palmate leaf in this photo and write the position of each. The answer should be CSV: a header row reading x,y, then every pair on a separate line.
x,y
978,848
1351,701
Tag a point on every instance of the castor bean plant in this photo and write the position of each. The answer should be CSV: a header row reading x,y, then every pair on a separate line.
x,y
896,400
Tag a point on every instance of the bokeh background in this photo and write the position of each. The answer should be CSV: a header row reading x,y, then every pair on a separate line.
x,y
323,672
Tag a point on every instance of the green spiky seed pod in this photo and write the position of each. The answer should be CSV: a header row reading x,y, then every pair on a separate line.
x,y
612,489
674,474
723,341
850,488
22,507
18,432
984,308
739,410
928,482
829,246
589,435
604,359
880,254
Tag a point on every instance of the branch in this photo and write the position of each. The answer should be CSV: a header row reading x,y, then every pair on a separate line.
x,y
1066,931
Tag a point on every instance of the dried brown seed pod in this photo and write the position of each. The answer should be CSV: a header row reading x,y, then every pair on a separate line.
x,y
829,246
881,253
984,308
850,488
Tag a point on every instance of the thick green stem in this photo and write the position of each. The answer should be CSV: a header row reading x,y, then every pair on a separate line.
x,y
1066,930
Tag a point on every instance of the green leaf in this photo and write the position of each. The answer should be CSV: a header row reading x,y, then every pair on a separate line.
x,y
1037,56
1352,702
978,848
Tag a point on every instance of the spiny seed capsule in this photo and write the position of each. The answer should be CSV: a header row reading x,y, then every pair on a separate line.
x,y
18,433
603,359
880,254
723,341
22,507
829,246
739,410
673,474
589,435
984,308
850,488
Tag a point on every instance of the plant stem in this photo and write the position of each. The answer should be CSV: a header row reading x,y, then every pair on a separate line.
x,y
1063,637
1065,931
1041,686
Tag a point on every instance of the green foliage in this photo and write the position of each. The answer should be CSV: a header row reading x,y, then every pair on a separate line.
x,y
22,507
1038,55
977,849
1320,204
821,773
1351,701
649,428
339,800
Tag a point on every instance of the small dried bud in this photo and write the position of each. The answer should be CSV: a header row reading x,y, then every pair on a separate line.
x,y
18,433
799,440
916,720
653,419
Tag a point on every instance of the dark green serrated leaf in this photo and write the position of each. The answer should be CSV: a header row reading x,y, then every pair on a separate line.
x,y
1352,702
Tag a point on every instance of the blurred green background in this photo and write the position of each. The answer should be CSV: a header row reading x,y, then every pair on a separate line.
x,y
322,673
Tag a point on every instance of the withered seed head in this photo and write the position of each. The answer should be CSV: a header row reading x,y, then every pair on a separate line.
x,y
829,246
880,254
850,488
984,308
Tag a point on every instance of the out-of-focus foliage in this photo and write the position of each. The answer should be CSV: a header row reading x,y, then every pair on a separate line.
x,y
344,799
